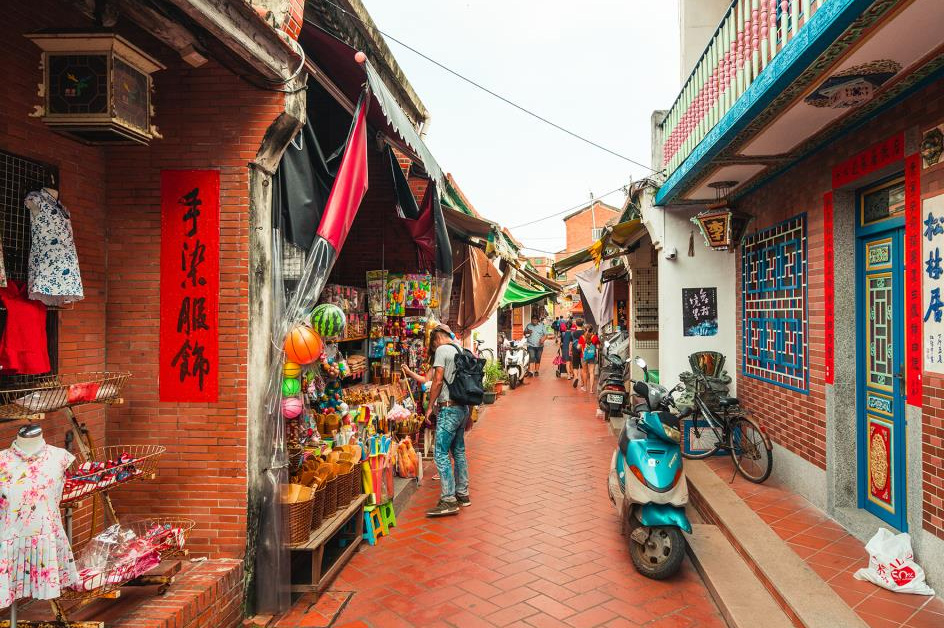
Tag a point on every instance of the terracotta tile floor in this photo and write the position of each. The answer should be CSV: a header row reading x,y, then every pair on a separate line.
x,y
539,547
832,553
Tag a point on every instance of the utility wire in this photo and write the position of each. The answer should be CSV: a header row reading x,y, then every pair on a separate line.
x,y
569,209
492,93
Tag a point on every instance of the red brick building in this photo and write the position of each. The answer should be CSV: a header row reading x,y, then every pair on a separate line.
x,y
583,228
827,311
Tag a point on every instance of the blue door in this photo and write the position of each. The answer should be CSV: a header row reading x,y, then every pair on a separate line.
x,y
881,355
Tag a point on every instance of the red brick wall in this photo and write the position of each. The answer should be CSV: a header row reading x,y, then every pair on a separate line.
x,y
798,421
210,119
81,169
580,233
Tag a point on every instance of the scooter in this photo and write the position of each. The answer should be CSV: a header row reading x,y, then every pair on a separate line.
x,y
647,485
611,389
516,361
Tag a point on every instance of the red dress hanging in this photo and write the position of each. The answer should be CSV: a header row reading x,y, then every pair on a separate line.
x,y
23,345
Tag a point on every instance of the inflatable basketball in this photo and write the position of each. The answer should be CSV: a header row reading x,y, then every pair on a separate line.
x,y
292,407
302,345
291,370
291,387
328,320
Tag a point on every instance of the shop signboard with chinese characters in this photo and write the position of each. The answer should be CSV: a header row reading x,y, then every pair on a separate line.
x,y
700,311
190,285
933,281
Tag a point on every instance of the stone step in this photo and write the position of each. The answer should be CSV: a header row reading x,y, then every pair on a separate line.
x,y
796,588
740,596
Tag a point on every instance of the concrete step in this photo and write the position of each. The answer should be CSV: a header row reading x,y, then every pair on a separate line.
x,y
798,590
740,596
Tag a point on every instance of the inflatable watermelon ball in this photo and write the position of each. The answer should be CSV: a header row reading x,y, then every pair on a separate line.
x,y
291,387
328,320
303,345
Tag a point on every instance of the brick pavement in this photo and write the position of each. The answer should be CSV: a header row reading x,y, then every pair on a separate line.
x,y
539,547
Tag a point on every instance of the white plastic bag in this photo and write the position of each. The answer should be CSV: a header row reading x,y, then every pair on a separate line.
x,y
892,565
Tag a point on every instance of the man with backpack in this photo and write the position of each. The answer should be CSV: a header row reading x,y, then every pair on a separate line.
x,y
456,385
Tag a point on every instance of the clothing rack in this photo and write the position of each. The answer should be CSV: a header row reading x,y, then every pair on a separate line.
x,y
52,392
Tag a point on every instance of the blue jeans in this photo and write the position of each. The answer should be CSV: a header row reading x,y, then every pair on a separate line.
x,y
450,437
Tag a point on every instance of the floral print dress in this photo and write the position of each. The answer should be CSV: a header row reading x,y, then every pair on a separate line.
x,y
35,556
54,275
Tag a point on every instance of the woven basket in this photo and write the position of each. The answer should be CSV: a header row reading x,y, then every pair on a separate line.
x,y
344,484
318,507
355,477
331,497
296,517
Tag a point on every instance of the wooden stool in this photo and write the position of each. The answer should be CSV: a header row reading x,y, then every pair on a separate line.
x,y
374,526
388,516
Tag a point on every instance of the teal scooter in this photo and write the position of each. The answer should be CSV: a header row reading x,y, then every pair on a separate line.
x,y
647,484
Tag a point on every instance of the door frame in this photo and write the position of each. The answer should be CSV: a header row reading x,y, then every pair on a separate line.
x,y
894,228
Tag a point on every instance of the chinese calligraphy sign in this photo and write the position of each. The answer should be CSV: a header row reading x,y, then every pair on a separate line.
x,y
932,307
190,285
700,311
873,158
829,285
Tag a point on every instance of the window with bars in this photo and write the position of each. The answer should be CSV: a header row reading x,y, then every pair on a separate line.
x,y
18,177
596,233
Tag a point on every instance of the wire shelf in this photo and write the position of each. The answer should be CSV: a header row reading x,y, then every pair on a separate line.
x,y
55,392
108,467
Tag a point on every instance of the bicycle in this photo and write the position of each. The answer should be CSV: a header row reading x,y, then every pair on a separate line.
x,y
735,430
482,352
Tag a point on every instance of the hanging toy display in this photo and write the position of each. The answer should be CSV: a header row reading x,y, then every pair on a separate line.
x,y
292,407
396,295
291,370
303,345
419,290
328,320
291,387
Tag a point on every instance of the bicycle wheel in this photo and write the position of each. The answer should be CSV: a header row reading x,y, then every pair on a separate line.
x,y
704,434
487,354
752,454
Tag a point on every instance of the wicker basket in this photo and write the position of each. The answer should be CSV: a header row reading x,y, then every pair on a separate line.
x,y
296,517
173,544
331,497
82,484
355,477
318,507
344,484
54,392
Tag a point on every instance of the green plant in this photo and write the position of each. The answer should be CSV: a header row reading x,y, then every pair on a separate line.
x,y
493,373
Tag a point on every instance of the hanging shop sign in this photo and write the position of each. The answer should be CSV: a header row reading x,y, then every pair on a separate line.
x,y
932,239
190,285
913,333
97,87
873,158
700,311
722,227
829,284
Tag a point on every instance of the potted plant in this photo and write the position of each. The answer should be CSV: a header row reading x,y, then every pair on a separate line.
x,y
493,374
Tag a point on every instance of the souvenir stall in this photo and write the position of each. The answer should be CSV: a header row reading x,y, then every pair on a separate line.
x,y
43,555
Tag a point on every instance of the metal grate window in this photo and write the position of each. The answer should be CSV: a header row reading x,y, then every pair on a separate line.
x,y
18,177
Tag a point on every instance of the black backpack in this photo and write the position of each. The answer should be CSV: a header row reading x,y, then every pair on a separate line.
x,y
466,386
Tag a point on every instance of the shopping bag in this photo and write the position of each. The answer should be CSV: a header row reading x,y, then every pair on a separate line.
x,y
892,565
558,360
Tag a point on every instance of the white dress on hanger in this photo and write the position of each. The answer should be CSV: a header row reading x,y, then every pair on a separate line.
x,y
54,276
35,555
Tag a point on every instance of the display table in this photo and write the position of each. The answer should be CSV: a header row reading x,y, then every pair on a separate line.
x,y
317,561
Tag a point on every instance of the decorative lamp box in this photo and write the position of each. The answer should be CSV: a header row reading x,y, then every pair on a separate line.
x,y
96,87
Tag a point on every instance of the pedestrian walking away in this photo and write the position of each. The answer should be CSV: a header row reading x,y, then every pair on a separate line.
x,y
449,450
535,332
588,342
576,351
566,336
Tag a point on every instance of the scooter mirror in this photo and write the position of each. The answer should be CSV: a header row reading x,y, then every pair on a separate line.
x,y
640,363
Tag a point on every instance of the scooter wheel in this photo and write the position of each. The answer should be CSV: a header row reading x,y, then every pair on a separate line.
x,y
660,555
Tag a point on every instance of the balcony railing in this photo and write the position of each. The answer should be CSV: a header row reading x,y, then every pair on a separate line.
x,y
751,35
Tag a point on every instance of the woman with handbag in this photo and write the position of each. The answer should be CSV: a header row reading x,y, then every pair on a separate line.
x,y
589,343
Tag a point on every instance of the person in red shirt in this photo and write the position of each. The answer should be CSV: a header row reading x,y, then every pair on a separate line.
x,y
588,357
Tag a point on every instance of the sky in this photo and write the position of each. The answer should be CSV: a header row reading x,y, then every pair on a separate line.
x,y
596,67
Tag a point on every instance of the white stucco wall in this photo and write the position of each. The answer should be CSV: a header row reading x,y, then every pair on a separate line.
x,y
707,269
698,20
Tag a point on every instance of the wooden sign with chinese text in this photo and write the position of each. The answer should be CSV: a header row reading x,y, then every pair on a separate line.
x,y
190,285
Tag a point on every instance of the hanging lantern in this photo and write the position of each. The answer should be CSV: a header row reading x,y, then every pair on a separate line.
x,y
722,226
96,87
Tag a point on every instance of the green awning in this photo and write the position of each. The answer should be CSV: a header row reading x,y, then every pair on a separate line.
x,y
517,295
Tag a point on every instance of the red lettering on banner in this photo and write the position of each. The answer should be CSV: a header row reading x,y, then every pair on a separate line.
x,y
913,267
829,284
873,158
190,285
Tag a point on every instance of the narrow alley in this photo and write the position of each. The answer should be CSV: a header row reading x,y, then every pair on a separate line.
x,y
539,547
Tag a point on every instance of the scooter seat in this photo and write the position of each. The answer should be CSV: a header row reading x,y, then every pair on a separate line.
x,y
623,440
728,402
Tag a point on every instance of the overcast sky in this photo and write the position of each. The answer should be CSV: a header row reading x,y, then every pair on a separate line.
x,y
596,67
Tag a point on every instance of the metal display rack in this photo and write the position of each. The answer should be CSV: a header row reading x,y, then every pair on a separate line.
x,y
32,401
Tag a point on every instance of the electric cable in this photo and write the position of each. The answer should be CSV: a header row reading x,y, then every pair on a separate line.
x,y
569,209
490,92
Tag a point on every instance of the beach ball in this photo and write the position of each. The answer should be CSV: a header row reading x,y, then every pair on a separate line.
x,y
328,320
291,370
291,387
292,407
303,345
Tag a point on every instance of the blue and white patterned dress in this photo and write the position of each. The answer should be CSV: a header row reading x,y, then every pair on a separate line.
x,y
54,275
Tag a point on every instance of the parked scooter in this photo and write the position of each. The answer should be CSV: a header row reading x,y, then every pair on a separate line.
x,y
611,387
516,361
647,483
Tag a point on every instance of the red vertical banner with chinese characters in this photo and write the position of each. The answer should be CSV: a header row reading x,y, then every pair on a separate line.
x,y
190,285
829,285
913,288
